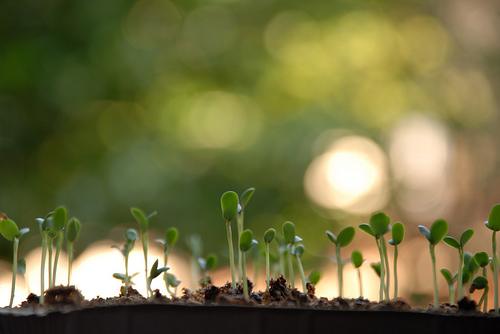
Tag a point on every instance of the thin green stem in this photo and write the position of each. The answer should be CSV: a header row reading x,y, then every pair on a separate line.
x,y
145,251
451,291
126,280
301,269
436,293
58,252
268,276
382,270
360,283
244,273
460,273
387,272
51,248
172,294
14,271
290,266
395,272
339,270
495,271
165,260
231,252
485,307
42,266
239,228
70,261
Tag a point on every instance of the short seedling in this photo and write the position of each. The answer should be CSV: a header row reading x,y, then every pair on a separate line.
x,y
298,252
482,259
11,232
143,222
290,240
493,224
207,265
171,236
380,224
481,283
246,242
130,237
72,231
437,232
268,238
357,260
459,245
230,207
398,234
240,222
344,239
450,280
153,273
56,231
171,281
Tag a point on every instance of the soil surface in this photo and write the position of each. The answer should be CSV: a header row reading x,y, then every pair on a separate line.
x,y
279,295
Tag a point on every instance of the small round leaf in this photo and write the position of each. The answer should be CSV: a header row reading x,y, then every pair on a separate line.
x,y
451,242
298,250
447,276
211,262
314,277
380,224
269,235
73,229
482,259
346,236
59,218
479,283
357,259
171,236
245,197
398,233
493,222
367,229
438,230
466,236
289,232
246,238
332,237
9,229
131,234
229,204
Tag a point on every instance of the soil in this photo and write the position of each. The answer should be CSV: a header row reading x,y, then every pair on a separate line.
x,y
279,295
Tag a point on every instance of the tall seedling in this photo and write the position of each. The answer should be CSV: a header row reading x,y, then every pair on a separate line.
x,y
398,234
298,251
437,232
493,224
240,222
459,245
60,217
230,208
290,240
344,239
357,260
143,222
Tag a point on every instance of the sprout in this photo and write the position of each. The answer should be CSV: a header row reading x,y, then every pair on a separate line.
x,y
171,281
60,217
344,239
230,208
493,224
72,231
246,242
143,222
11,232
45,224
459,245
482,259
450,280
357,260
153,273
438,230
298,251
398,234
171,236
380,224
481,283
268,238
240,218
130,237
290,239
207,264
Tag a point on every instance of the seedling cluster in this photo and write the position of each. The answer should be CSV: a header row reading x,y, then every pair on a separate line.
x,y
472,268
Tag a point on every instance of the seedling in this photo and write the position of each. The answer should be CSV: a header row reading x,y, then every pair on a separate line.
x,y
398,234
11,232
153,273
450,280
171,236
230,208
268,238
438,230
470,269
357,260
240,218
290,240
207,264
380,224
482,259
246,242
344,239
298,251
171,281
45,224
130,237
459,245
493,224
60,217
481,283
72,231
143,222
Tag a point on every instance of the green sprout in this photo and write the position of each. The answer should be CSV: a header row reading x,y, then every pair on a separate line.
x,y
143,222
207,264
380,224
153,273
268,238
72,231
357,260
171,236
450,280
398,234
298,252
246,242
230,207
130,237
60,217
314,277
11,232
459,245
482,259
240,218
344,239
171,281
470,269
493,224
437,232
481,283
45,224
290,239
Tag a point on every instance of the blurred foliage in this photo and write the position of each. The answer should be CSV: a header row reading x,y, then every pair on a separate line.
x,y
165,105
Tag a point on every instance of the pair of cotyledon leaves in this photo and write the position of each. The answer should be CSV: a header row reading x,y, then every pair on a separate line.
x,y
380,224
232,205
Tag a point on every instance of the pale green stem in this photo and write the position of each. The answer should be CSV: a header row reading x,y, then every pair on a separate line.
x,y
360,283
382,270
281,262
145,251
42,266
172,294
14,271
267,267
244,273
395,272
231,252
126,281
58,252
436,293
339,270
290,266
451,291
495,271
485,307
51,248
165,259
460,273
387,272
484,300
301,269
239,228
70,260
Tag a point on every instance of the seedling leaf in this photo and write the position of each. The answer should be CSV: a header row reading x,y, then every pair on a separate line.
x,y
376,267
289,232
245,197
357,259
482,259
229,204
479,283
466,236
346,236
332,237
246,238
447,276
21,266
425,231
314,277
493,222
438,230
398,233
380,224
367,229
171,236
452,242
269,235
73,229
211,262
59,218
9,229
298,250
131,235
141,218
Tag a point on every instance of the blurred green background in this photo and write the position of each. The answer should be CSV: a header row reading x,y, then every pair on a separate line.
x,y
165,105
